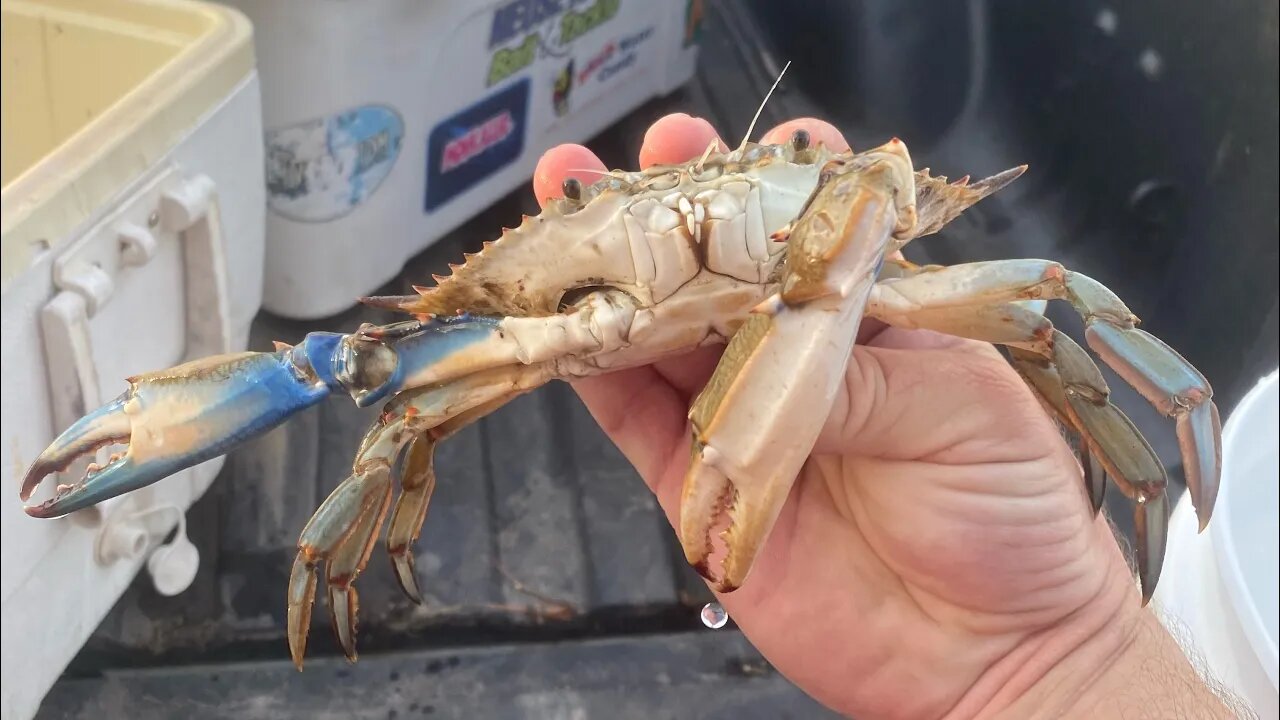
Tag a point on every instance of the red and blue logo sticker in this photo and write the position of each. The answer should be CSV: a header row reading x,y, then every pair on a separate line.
x,y
469,147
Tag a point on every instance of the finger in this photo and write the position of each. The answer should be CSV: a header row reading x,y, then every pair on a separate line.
x,y
819,132
689,373
562,162
677,138
870,329
644,416
909,339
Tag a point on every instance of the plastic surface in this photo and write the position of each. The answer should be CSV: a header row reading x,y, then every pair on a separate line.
x,y
131,237
94,94
390,123
1248,543
173,566
1220,587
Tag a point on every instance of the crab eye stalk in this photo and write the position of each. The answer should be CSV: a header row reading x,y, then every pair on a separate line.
x,y
800,140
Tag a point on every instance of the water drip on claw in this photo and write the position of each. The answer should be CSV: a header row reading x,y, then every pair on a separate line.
x,y
714,615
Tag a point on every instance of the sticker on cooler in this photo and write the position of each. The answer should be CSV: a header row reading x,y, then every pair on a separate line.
x,y
613,58
598,72
320,170
523,31
561,89
466,149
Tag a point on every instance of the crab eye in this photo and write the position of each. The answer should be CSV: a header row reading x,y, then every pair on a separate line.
x,y
800,140
572,188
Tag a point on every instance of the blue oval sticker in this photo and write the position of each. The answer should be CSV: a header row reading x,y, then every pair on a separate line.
x,y
320,170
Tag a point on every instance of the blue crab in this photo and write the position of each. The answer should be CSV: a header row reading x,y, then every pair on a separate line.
x,y
775,251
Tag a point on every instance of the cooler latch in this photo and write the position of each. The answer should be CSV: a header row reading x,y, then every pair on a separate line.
x,y
167,208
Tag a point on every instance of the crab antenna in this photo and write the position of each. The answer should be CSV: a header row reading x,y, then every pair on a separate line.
x,y
751,128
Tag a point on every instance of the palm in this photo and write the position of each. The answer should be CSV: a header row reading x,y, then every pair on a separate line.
x,y
944,535
938,523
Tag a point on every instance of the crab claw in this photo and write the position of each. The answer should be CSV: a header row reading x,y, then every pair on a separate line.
x,y
172,420
757,419
177,418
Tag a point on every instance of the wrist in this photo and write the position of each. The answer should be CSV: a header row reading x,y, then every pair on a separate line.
x,y
1114,660
1132,668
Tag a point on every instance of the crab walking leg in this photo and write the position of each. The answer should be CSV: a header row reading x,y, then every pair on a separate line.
x,y
1052,397
417,482
1167,381
1068,382
757,419
1095,475
1112,440
342,531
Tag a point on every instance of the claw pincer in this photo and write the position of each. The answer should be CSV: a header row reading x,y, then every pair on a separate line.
x,y
174,420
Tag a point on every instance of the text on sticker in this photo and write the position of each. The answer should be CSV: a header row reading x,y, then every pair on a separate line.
x,y
477,140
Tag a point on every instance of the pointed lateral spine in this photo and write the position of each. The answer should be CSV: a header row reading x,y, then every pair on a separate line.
x,y
470,285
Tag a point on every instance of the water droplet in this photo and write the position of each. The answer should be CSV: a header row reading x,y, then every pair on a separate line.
x,y
714,616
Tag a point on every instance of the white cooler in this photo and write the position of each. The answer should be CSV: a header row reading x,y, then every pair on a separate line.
x,y
133,215
391,122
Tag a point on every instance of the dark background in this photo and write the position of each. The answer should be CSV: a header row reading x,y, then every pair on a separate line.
x,y
553,582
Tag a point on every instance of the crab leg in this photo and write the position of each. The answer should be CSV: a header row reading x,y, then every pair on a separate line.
x,y
1053,396
180,417
759,415
342,531
417,482
980,301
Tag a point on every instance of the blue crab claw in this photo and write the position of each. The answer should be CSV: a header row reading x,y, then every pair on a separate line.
x,y
175,419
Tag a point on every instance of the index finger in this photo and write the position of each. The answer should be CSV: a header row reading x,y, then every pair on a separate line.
x,y
819,131
561,163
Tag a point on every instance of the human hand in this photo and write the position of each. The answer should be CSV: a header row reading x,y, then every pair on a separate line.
x,y
938,555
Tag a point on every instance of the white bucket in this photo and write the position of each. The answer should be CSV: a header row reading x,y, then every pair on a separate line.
x,y
1219,592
